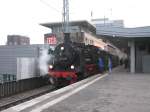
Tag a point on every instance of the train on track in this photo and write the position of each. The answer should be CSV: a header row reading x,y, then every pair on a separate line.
x,y
71,62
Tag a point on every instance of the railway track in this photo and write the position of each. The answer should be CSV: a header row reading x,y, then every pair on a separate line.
x,y
25,96
22,97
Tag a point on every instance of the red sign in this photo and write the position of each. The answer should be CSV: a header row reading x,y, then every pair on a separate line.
x,y
51,40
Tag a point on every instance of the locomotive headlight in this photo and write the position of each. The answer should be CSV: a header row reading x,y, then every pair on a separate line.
x,y
72,67
50,66
62,48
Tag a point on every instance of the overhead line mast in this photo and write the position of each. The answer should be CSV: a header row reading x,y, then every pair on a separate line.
x,y
66,21
66,15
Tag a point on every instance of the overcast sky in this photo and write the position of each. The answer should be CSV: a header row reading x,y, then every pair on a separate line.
x,y
23,16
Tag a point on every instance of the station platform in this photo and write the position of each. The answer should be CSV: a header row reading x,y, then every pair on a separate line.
x,y
118,91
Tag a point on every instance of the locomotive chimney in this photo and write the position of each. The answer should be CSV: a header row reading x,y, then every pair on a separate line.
x,y
67,38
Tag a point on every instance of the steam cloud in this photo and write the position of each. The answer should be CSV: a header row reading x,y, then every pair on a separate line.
x,y
43,62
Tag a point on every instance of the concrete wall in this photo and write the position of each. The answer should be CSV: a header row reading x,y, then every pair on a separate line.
x,y
146,63
142,53
27,68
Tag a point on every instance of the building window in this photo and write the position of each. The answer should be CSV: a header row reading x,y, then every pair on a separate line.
x,y
15,43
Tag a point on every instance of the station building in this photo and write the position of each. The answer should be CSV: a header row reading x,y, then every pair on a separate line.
x,y
136,41
17,40
80,32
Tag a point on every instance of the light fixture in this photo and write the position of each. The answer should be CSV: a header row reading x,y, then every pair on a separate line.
x,y
50,66
62,48
72,67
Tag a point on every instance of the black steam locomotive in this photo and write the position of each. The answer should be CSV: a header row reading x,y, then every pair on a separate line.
x,y
74,61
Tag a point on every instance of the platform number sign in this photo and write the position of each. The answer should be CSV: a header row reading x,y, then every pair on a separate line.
x,y
51,40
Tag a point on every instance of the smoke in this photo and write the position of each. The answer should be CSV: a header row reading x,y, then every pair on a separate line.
x,y
43,62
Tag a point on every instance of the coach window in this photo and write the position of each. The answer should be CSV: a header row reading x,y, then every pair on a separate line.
x,y
92,42
89,41
86,40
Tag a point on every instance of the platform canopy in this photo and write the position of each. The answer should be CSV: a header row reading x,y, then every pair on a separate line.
x,y
82,23
124,32
120,35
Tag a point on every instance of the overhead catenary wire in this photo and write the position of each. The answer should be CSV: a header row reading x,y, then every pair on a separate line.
x,y
50,6
61,11
53,8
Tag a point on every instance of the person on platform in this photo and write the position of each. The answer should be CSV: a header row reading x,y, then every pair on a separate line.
x,y
101,65
110,64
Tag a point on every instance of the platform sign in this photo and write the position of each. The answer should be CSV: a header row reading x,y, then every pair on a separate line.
x,y
51,39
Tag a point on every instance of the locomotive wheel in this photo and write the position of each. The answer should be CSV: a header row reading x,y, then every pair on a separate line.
x,y
85,75
80,76
53,81
61,82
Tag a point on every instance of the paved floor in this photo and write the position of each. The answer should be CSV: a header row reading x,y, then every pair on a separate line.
x,y
117,92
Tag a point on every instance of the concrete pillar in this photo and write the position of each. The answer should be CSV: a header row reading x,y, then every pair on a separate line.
x,y
132,56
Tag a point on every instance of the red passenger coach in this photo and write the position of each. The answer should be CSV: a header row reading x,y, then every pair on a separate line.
x,y
91,69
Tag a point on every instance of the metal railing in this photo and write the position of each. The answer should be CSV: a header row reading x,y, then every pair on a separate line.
x,y
14,87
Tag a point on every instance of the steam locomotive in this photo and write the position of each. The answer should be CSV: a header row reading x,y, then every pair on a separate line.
x,y
75,61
